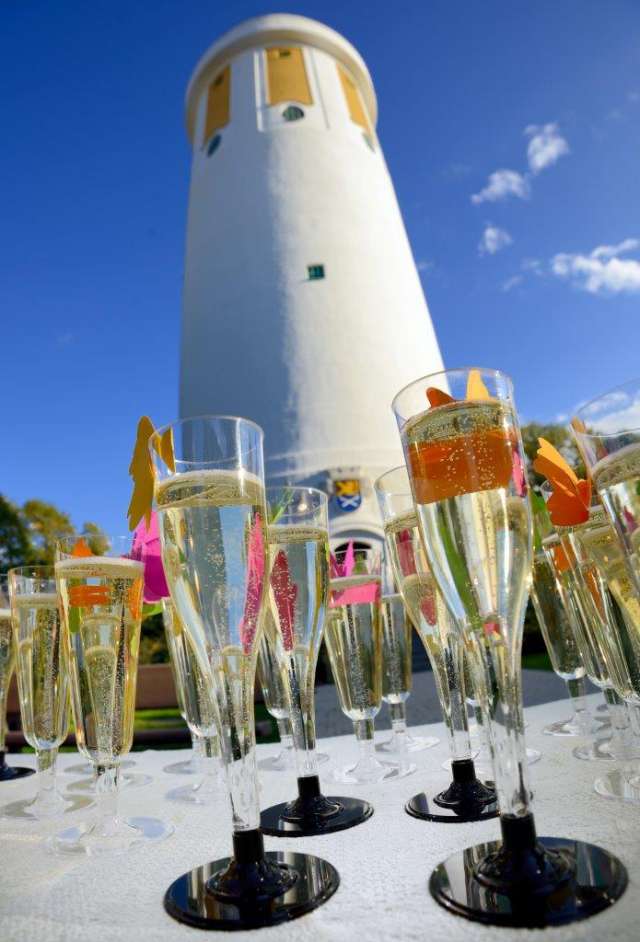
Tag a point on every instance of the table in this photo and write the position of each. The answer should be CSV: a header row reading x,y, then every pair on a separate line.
x,y
384,864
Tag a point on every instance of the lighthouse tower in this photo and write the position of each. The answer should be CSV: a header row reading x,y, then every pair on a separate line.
x,y
303,309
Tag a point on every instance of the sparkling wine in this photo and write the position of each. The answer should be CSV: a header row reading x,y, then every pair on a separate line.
x,y
599,613
617,478
470,491
7,664
396,649
431,619
603,549
213,532
353,636
554,620
41,670
297,597
566,586
101,603
193,686
269,675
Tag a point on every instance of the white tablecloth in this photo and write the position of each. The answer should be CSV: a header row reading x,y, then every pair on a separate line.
x,y
384,864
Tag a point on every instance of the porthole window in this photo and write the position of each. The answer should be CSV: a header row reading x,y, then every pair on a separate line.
x,y
292,113
315,272
214,144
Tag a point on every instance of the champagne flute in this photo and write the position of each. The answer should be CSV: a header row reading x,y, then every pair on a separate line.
x,y
466,798
275,700
466,463
613,634
556,623
298,536
43,684
210,499
193,765
101,603
196,699
397,678
595,667
8,773
353,636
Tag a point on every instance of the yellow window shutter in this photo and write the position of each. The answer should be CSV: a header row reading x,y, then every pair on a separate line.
x,y
287,76
218,101
354,103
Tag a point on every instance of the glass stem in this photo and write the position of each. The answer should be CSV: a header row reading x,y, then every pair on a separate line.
x,y
284,732
302,718
581,714
47,793
364,730
197,751
504,722
107,782
398,713
450,686
209,764
3,720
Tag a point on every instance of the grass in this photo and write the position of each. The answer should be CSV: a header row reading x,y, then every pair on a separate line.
x,y
537,662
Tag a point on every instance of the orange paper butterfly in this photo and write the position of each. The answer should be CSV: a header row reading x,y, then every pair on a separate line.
x,y
571,496
476,389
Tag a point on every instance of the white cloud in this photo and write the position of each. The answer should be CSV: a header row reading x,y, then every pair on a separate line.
x,y
64,339
532,264
502,184
546,146
602,271
610,251
424,264
512,282
614,412
493,239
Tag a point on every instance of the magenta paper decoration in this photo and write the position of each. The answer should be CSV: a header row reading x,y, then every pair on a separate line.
x,y
146,549
357,594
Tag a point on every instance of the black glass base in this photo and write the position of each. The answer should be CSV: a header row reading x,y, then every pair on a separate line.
x,y
552,882
313,813
465,799
195,897
9,773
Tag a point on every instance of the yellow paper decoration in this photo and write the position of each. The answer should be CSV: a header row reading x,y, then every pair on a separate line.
x,y
476,388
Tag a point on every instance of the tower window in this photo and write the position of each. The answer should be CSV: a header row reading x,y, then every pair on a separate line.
x,y
355,105
292,113
287,76
315,272
214,144
218,100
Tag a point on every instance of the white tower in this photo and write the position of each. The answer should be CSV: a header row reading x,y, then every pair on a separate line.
x,y
303,309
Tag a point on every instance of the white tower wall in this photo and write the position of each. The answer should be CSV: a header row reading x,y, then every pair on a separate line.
x,y
315,362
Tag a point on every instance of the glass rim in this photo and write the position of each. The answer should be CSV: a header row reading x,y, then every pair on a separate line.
x,y
29,571
579,413
381,490
199,418
282,488
110,537
458,369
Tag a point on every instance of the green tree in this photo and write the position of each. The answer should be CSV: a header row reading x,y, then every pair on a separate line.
x,y
96,538
45,524
560,438
15,545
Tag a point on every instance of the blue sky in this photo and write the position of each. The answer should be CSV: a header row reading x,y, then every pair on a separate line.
x,y
539,275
